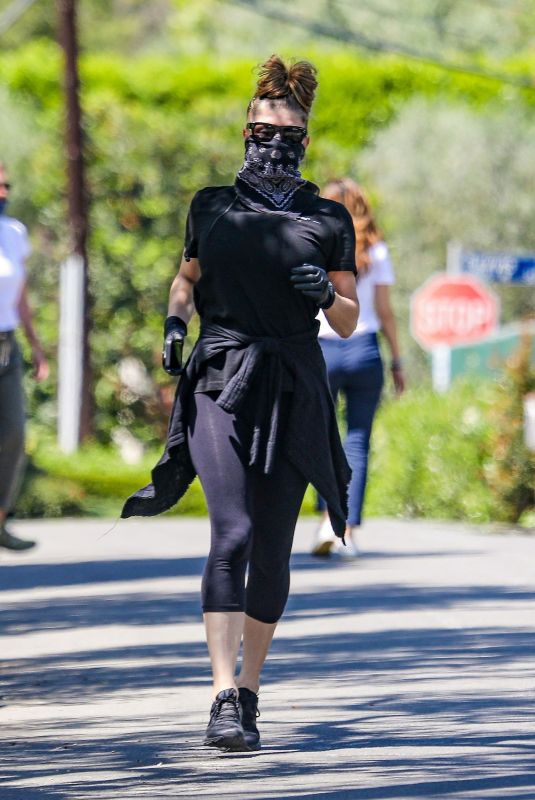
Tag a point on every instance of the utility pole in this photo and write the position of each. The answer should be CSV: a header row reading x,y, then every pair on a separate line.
x,y
75,380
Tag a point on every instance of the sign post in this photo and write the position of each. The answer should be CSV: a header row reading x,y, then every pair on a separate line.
x,y
529,421
70,362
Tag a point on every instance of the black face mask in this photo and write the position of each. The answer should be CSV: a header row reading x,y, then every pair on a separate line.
x,y
271,169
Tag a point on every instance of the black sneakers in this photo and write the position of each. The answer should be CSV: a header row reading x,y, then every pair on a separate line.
x,y
249,710
225,728
11,542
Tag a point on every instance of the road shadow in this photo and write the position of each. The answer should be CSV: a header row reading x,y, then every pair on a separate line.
x,y
76,573
136,608
422,742
461,747
15,577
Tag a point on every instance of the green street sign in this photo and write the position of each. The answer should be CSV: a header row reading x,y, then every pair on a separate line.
x,y
486,358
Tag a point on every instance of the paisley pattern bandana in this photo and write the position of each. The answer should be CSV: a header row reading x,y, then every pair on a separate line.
x,y
271,170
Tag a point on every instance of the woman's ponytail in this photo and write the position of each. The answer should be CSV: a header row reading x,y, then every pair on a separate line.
x,y
294,83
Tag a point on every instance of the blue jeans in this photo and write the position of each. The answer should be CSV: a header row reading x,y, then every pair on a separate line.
x,y
354,367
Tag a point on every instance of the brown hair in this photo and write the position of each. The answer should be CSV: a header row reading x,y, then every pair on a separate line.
x,y
293,84
351,195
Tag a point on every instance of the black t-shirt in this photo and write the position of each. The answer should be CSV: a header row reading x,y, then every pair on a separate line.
x,y
245,257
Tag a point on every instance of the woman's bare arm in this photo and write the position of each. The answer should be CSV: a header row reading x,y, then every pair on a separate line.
x,y
40,364
181,292
344,312
387,319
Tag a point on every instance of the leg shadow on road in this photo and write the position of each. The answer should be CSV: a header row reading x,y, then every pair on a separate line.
x,y
415,703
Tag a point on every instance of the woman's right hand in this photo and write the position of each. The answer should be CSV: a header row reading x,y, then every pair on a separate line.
x,y
180,310
41,369
175,331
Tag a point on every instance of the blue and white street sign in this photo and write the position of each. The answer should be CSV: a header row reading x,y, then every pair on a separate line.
x,y
499,267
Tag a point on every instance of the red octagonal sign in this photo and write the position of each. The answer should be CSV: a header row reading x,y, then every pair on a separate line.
x,y
452,309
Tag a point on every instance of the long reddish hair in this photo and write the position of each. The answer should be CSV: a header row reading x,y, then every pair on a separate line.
x,y
352,196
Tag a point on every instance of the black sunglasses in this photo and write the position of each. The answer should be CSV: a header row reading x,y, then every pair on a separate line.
x,y
265,132
5,185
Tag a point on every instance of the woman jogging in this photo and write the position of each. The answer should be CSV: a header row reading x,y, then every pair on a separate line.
x,y
253,416
14,309
354,364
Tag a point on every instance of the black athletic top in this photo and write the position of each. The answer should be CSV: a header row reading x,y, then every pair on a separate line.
x,y
245,257
257,332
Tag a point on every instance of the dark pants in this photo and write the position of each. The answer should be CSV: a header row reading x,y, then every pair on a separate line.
x,y
355,369
252,515
11,424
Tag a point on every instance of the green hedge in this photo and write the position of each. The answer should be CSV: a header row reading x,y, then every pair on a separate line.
x,y
460,455
429,454
432,456
357,95
94,481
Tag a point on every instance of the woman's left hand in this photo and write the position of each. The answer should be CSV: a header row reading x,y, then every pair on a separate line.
x,y
399,380
41,369
314,283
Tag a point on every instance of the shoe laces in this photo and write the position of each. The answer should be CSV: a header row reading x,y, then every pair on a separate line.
x,y
226,706
249,703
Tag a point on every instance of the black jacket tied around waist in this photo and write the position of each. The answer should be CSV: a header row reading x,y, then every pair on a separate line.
x,y
311,440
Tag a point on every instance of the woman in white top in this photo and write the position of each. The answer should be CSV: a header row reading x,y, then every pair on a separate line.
x,y
354,365
14,309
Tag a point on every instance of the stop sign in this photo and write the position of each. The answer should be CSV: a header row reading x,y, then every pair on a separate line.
x,y
452,309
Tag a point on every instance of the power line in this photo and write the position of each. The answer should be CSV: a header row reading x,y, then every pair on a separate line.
x,y
13,12
378,10
499,4
351,37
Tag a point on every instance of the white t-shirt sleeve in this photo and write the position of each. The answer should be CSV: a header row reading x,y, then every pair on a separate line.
x,y
14,249
380,273
381,266
24,241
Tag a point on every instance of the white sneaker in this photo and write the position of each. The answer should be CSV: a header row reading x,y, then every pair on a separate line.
x,y
349,550
325,539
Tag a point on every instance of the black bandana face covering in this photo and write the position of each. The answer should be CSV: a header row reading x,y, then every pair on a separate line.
x,y
272,170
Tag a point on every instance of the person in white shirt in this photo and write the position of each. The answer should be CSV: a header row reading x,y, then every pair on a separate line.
x,y
354,365
14,309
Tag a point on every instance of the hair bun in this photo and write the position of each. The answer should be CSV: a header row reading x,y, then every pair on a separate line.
x,y
277,80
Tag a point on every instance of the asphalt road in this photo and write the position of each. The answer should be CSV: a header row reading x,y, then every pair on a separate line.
x,y
408,673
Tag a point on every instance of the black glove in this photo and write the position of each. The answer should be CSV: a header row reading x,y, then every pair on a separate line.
x,y
314,283
174,331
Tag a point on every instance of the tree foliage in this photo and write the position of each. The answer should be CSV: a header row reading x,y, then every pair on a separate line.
x,y
458,30
157,129
464,175
510,472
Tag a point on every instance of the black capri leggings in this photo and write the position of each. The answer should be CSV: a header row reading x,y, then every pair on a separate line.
x,y
252,515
